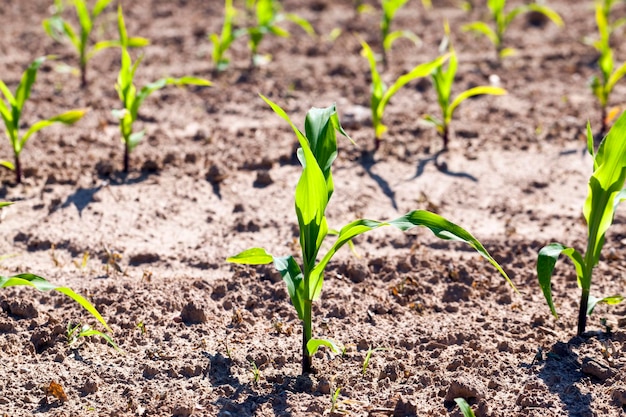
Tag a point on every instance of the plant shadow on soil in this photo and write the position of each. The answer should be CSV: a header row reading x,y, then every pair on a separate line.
x,y
220,375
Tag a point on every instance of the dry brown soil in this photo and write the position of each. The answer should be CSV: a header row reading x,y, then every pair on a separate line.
x,y
215,175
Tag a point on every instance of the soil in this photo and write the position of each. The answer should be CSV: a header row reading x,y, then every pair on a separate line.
x,y
215,175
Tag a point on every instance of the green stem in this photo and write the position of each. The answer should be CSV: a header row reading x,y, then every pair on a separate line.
x,y
307,334
18,169
582,313
126,159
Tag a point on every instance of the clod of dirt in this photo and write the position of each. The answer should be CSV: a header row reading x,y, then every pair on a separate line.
x,y
150,166
215,175
323,386
192,314
150,371
143,258
465,388
104,168
89,387
405,408
356,116
596,369
20,308
182,410
263,179
457,292
44,338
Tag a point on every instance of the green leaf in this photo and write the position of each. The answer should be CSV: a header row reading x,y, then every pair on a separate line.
x,y
611,300
546,261
23,89
5,203
42,285
8,165
604,185
466,410
300,21
254,256
441,227
398,34
548,12
99,7
314,344
68,118
292,275
476,91
483,29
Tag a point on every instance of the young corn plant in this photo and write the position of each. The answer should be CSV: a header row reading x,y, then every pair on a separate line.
x,y
605,193
502,20
221,43
267,16
80,38
381,95
74,333
443,80
132,98
11,112
390,8
603,86
318,150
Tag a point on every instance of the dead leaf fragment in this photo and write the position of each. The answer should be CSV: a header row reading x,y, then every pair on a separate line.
x,y
55,390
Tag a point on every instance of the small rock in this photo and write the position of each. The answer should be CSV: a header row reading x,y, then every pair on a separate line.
x,y
323,387
356,116
150,371
215,175
191,314
263,179
596,369
182,411
89,387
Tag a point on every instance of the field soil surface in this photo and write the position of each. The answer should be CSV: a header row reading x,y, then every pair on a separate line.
x,y
215,174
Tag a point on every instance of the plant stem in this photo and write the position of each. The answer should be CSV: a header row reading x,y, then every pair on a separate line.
x,y
307,334
83,75
18,169
582,313
603,125
126,159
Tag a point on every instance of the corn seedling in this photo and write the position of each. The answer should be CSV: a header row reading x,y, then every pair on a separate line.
x,y
59,29
605,193
256,373
603,86
466,410
318,150
221,43
390,8
368,356
11,111
333,400
502,20
267,16
132,98
41,284
443,80
74,333
381,95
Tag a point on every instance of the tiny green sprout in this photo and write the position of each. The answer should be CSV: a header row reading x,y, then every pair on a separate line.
x,y
41,284
443,80
11,111
132,98
333,400
59,29
74,333
318,150
605,193
390,8
502,20
381,95
221,43
256,373
603,86
267,15
368,356
142,327
466,410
